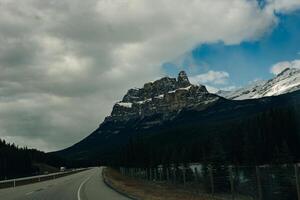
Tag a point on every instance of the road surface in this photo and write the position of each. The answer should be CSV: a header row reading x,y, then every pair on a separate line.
x,y
86,185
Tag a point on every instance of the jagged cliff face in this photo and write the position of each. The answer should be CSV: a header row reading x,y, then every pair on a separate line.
x,y
166,96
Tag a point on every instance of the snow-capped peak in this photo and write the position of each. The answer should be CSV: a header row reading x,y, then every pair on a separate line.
x,y
286,81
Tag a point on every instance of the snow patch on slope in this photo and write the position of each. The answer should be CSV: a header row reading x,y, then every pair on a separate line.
x,y
286,81
125,104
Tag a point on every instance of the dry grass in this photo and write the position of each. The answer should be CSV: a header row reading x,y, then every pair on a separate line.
x,y
146,190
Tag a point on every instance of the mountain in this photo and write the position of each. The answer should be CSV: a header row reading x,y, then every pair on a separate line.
x,y
285,82
166,97
141,109
173,117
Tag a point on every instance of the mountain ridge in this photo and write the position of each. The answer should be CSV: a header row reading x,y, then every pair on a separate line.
x,y
286,81
165,96
144,112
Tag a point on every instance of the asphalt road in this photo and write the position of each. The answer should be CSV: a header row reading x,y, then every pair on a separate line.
x,y
86,185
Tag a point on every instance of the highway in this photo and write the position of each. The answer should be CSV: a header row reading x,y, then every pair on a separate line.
x,y
86,185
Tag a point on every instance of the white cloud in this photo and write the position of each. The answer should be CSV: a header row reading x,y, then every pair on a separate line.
x,y
282,6
213,81
63,63
279,67
211,89
229,88
214,90
211,77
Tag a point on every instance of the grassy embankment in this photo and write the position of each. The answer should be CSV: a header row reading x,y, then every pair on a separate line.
x,y
146,190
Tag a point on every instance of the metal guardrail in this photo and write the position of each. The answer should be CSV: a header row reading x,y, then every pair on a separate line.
x,y
33,179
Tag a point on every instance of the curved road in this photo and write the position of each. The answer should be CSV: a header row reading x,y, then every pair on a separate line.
x,y
86,185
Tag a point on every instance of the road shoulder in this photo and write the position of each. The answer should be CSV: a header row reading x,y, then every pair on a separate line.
x,y
107,179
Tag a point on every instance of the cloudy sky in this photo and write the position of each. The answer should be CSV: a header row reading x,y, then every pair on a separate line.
x,y
65,62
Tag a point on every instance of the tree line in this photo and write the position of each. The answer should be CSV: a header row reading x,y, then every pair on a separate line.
x,y
20,161
269,137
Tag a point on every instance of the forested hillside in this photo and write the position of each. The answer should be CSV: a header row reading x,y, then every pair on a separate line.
x,y
267,137
172,120
20,161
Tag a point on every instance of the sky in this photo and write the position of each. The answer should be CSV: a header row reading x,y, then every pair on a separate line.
x,y
64,63
230,66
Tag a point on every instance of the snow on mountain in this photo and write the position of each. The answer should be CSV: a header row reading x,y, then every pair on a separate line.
x,y
247,92
166,97
286,81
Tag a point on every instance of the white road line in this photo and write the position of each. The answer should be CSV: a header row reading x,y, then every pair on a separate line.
x,y
79,189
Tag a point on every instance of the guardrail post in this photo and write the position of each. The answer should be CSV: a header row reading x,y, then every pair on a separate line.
x,y
14,182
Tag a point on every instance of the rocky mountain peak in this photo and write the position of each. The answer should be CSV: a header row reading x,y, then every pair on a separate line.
x,y
165,96
183,80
